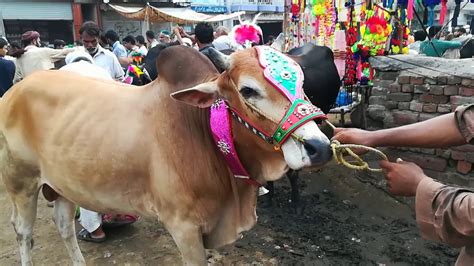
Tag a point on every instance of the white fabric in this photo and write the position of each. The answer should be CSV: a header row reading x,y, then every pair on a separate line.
x,y
87,69
153,43
36,58
225,42
90,220
143,50
108,61
167,14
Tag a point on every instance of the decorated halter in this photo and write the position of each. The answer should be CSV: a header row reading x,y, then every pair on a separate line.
x,y
286,76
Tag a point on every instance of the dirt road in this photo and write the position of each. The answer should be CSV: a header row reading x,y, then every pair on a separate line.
x,y
345,221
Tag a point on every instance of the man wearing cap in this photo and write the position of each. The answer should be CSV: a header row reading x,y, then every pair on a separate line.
x,y
7,68
32,58
165,36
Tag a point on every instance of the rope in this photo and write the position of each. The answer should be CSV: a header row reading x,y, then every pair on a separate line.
x,y
341,150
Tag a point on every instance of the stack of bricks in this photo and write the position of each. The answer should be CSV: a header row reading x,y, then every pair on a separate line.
x,y
401,98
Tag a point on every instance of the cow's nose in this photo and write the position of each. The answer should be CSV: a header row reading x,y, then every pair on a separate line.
x,y
319,152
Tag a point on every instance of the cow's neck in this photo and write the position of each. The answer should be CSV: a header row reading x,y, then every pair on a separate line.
x,y
254,165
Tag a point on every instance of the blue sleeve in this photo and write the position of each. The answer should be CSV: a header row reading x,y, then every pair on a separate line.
x,y
120,52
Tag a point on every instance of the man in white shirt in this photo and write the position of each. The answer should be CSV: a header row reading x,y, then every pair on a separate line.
x,y
33,57
90,35
223,41
141,45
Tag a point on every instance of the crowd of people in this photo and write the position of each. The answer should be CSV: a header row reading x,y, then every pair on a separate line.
x,y
18,60
444,213
439,42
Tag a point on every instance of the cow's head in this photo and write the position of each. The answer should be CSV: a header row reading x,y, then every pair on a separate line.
x,y
264,87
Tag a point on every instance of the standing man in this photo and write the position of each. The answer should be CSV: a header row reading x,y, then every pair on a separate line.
x,y
165,36
117,48
141,44
204,35
33,57
150,37
7,68
90,35
223,41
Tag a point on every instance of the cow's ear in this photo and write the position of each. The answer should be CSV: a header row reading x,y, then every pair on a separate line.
x,y
201,96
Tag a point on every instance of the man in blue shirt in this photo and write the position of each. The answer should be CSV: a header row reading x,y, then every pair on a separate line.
x,y
118,49
436,47
7,68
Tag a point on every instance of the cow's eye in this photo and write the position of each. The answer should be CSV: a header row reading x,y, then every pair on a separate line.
x,y
248,92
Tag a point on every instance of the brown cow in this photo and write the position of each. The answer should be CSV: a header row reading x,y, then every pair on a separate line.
x,y
117,148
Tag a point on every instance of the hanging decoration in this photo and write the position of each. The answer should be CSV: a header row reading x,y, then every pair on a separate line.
x,y
443,11
356,30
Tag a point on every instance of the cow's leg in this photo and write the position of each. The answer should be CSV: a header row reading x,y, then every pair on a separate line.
x,y
23,219
271,192
188,238
296,203
64,211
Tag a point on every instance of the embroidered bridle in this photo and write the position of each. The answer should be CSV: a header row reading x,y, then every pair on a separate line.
x,y
286,76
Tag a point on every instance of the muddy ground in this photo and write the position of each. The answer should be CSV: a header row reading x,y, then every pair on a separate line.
x,y
347,220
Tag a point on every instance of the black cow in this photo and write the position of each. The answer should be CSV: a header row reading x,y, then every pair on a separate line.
x,y
321,85
467,50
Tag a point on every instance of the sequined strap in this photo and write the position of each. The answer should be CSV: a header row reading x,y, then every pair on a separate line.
x,y
221,128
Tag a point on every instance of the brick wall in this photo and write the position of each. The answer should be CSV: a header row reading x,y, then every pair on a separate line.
x,y
404,94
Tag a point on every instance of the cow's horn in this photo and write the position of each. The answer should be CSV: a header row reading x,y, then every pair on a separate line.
x,y
220,60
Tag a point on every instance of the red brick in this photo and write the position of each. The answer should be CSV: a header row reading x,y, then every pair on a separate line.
x,y
417,80
416,106
407,88
437,90
394,87
451,90
460,100
428,162
400,97
463,91
464,167
428,98
444,108
430,107
466,148
458,155
425,116
404,79
405,117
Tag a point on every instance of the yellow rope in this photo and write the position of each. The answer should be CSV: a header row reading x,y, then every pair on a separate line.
x,y
340,150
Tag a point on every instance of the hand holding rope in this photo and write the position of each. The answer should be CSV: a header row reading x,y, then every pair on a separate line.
x,y
341,150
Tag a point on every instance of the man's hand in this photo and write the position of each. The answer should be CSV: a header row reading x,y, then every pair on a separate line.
x,y
353,136
402,177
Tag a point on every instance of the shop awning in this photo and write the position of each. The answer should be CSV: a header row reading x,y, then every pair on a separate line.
x,y
175,15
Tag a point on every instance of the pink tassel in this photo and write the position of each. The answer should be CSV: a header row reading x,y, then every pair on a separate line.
x,y
442,13
410,9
